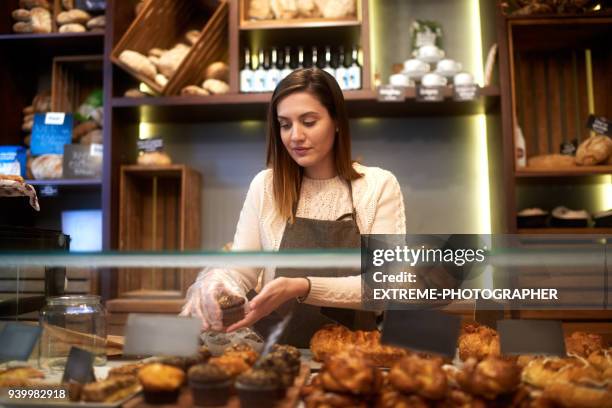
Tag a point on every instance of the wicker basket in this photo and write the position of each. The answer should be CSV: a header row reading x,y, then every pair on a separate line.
x,y
163,23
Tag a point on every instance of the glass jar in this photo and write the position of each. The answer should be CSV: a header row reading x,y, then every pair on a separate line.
x,y
71,320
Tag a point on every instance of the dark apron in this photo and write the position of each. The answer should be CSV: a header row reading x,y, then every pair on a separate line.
x,y
306,233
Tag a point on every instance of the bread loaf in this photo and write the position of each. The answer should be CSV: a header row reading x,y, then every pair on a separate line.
x,y
42,102
156,52
30,4
214,86
95,136
75,16
217,70
21,15
96,22
551,161
134,93
68,4
284,9
72,28
194,90
192,36
138,63
28,110
161,80
336,8
82,129
41,20
260,10
594,150
154,159
170,60
23,27
307,8
48,166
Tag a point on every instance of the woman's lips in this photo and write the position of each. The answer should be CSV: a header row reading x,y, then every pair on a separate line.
x,y
301,151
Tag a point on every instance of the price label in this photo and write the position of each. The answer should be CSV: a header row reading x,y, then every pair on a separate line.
x,y
463,93
430,93
55,118
391,93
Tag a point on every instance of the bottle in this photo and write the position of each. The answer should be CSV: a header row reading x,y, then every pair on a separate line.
x,y
246,73
273,73
354,71
341,71
259,76
286,69
328,63
315,57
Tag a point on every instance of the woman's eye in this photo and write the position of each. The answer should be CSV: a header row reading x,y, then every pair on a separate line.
x,y
310,123
285,126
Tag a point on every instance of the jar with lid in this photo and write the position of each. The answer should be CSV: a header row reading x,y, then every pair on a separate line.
x,y
71,321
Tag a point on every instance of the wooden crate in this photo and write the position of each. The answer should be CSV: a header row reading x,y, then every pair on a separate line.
x,y
163,23
159,210
73,79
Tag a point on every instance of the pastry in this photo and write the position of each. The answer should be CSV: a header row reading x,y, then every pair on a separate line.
x,y
161,383
259,388
126,369
161,80
193,90
391,398
83,128
490,377
336,8
331,339
217,70
170,60
351,372
260,9
68,4
112,389
307,9
42,102
134,93
96,22
23,27
30,4
184,363
284,9
583,344
154,159
41,20
214,86
232,364
290,354
72,28
210,385
138,63
24,372
10,177
28,110
243,351
75,16
280,366
232,307
551,161
594,150
478,342
602,360
21,15
192,36
584,393
156,52
47,166
415,375
325,399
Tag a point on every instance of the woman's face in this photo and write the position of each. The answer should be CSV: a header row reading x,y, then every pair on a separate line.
x,y
307,131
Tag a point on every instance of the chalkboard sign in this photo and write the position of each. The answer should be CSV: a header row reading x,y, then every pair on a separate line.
x,y
430,93
82,161
17,341
50,132
599,124
465,92
391,93
154,144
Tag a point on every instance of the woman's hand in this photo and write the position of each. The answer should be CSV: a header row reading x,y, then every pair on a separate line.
x,y
274,294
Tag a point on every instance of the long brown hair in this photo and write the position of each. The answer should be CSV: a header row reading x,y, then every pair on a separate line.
x,y
287,174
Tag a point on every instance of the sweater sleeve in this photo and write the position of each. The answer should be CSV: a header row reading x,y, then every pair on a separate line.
x,y
389,218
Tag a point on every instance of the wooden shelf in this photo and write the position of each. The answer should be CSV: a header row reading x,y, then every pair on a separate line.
x,y
568,172
298,23
67,182
55,43
569,231
538,19
361,103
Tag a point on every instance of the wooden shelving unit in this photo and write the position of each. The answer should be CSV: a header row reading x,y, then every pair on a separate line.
x,y
568,231
97,183
579,171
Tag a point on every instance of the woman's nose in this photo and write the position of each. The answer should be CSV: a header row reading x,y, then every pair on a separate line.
x,y
297,133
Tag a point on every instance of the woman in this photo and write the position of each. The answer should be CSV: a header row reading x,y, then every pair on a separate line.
x,y
311,196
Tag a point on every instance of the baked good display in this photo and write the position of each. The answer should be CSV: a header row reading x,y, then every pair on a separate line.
x,y
126,369
161,383
594,150
583,344
332,339
47,166
280,366
234,365
259,388
551,161
244,351
114,388
15,376
479,342
417,375
489,378
210,385
292,9
351,372
232,307
154,159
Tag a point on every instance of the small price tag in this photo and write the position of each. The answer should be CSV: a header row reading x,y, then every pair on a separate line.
x,y
154,144
96,150
391,93
79,367
17,341
429,93
463,93
55,118
599,124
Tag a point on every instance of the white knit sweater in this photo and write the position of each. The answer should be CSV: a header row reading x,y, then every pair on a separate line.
x,y
380,210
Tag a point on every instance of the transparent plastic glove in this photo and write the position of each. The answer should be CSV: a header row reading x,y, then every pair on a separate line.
x,y
202,298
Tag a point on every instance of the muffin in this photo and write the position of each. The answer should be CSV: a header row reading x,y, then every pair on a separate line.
x,y
276,363
290,354
232,307
184,363
204,353
232,364
259,388
243,351
161,383
210,385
